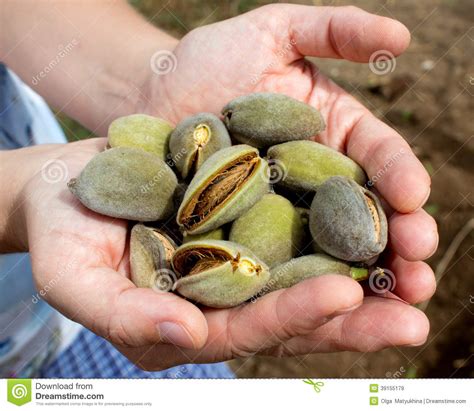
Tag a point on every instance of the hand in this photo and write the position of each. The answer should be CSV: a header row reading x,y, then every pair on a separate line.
x,y
85,255
264,50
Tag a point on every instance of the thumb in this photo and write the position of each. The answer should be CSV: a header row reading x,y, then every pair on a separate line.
x,y
340,32
110,305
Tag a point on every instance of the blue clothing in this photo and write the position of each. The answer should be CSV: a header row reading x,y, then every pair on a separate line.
x,y
93,357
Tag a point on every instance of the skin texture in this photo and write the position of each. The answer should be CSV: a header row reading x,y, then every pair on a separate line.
x,y
305,318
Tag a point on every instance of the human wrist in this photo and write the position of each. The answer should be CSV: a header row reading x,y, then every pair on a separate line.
x,y
135,87
16,171
94,76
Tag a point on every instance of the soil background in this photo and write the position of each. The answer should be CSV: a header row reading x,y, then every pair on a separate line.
x,y
429,98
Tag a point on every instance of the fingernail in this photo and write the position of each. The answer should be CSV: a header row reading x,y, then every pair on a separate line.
x,y
415,344
425,199
176,334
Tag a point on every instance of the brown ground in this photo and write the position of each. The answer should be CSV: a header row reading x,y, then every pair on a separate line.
x,y
433,109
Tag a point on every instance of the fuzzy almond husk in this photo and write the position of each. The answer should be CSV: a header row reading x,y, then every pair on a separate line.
x,y
127,183
148,133
195,139
264,119
314,265
305,165
272,229
151,251
347,221
227,184
218,274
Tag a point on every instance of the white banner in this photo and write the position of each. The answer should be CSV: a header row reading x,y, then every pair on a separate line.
x,y
238,394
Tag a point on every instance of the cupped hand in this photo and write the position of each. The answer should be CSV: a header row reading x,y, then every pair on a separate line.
x,y
264,51
85,255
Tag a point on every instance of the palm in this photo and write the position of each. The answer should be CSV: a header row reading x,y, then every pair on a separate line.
x,y
204,81
215,64
80,238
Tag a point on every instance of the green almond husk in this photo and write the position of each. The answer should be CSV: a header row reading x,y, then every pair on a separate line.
x,y
272,228
305,165
227,184
142,131
126,183
264,119
216,234
218,274
151,251
347,221
309,266
195,139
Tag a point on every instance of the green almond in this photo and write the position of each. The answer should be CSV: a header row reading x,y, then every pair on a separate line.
x,y
126,183
195,139
314,265
142,131
228,183
151,251
273,229
216,234
305,165
218,274
263,119
347,221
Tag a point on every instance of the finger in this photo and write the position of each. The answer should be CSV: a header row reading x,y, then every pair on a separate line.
x,y
389,163
413,236
342,32
414,280
278,316
110,305
377,324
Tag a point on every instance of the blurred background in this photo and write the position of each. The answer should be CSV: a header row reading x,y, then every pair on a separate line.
x,y
428,96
